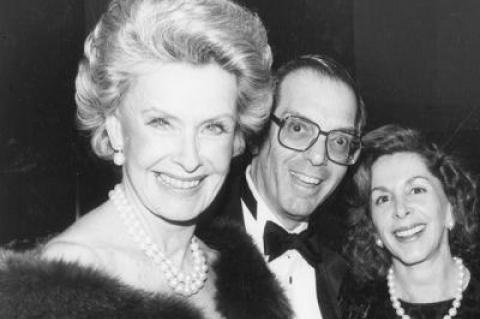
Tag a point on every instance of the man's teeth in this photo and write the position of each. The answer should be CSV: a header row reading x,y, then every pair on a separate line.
x,y
307,179
177,183
410,231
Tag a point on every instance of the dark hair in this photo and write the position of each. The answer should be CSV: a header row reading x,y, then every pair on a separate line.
x,y
327,67
370,261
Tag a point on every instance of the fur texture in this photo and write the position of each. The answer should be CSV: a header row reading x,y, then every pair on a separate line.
x,y
34,288
250,291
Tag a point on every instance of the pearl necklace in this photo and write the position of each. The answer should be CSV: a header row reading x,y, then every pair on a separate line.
x,y
456,301
182,284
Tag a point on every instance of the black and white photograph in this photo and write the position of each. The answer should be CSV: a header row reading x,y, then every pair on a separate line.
x,y
239,159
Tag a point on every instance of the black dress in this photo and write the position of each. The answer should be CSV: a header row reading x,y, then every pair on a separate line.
x,y
372,301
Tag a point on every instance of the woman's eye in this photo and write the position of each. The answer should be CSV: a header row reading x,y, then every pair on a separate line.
x,y
418,190
381,200
215,128
159,122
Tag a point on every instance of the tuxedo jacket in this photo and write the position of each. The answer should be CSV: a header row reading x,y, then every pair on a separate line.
x,y
329,271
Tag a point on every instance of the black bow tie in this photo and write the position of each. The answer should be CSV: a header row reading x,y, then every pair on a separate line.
x,y
276,241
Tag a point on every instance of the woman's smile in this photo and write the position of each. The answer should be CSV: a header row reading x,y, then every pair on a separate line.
x,y
409,233
178,146
179,183
409,207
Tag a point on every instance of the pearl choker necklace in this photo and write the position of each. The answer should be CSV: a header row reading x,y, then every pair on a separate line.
x,y
182,284
456,301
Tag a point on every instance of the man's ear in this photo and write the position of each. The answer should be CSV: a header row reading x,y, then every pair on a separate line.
x,y
114,131
238,143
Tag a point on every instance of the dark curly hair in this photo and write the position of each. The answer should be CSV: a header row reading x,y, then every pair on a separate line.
x,y
370,261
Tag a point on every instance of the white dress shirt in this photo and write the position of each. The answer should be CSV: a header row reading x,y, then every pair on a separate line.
x,y
295,275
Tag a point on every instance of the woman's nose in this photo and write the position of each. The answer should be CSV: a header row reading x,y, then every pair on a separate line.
x,y
188,154
401,209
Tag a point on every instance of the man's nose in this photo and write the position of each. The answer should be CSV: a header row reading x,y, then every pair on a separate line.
x,y
317,153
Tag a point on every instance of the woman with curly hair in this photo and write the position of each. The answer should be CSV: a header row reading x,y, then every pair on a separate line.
x,y
415,215
169,90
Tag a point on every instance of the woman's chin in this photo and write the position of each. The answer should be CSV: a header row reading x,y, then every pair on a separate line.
x,y
186,218
183,222
411,258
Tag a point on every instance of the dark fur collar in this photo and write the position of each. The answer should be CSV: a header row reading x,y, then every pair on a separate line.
x,y
34,288
246,287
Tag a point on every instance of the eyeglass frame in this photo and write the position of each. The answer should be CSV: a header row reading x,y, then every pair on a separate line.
x,y
281,123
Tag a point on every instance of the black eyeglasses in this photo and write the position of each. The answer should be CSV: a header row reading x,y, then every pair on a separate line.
x,y
299,134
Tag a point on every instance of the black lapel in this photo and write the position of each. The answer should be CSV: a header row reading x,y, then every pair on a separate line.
x,y
233,203
247,196
329,272
235,190
326,297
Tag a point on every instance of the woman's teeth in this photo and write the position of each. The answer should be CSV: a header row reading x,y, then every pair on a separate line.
x,y
410,231
178,183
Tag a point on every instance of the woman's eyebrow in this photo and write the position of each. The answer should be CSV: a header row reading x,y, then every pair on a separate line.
x,y
416,177
379,188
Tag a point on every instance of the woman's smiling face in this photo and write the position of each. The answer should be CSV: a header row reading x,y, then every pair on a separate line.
x,y
176,126
409,208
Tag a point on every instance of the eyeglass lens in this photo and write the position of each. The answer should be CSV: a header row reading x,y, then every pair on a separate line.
x,y
300,134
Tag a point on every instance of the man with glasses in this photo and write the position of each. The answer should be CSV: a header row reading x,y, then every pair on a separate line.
x,y
313,136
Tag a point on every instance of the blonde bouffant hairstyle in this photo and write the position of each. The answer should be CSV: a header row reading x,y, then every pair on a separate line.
x,y
133,34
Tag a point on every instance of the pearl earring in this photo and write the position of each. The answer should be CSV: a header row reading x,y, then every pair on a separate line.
x,y
118,157
450,225
379,242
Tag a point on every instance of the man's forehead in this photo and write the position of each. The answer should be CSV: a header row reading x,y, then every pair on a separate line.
x,y
327,101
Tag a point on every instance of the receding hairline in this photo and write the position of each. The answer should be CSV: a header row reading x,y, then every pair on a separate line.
x,y
320,76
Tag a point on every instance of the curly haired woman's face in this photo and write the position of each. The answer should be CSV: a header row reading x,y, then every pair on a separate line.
x,y
176,127
409,208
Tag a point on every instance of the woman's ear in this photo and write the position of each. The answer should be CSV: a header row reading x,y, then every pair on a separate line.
x,y
114,131
378,241
238,143
449,218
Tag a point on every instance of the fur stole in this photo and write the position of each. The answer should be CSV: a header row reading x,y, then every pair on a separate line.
x,y
246,288
34,288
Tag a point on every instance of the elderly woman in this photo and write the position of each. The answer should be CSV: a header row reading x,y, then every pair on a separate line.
x,y
169,89
415,211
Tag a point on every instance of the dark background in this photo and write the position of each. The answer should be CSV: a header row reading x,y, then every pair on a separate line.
x,y
417,62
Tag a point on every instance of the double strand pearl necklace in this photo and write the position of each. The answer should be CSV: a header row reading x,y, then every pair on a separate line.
x,y
456,301
182,284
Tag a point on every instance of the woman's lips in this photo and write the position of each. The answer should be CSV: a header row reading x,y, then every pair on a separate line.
x,y
179,183
409,232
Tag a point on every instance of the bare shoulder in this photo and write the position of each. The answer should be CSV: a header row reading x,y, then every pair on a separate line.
x,y
70,251
85,242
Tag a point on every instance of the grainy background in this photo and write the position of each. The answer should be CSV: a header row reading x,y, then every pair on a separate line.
x,y
417,62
